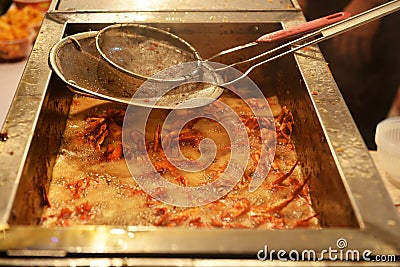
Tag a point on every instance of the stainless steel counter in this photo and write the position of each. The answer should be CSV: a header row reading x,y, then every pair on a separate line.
x,y
173,5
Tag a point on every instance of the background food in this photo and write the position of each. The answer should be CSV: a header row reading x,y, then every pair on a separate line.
x,y
18,29
42,5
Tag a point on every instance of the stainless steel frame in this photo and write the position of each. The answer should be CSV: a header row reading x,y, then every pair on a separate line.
x,y
173,5
346,186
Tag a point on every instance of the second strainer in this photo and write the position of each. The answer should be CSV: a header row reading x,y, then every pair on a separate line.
x,y
143,50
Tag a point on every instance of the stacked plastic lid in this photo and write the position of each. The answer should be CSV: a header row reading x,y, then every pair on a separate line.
x,y
387,139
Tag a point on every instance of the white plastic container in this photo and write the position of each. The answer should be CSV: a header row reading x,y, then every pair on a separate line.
x,y
387,139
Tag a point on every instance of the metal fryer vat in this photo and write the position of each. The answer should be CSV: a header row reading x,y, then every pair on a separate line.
x,y
345,186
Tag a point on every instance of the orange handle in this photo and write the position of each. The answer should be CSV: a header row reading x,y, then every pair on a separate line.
x,y
304,28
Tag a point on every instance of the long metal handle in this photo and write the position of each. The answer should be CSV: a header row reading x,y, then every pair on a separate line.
x,y
360,19
290,32
322,35
303,28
